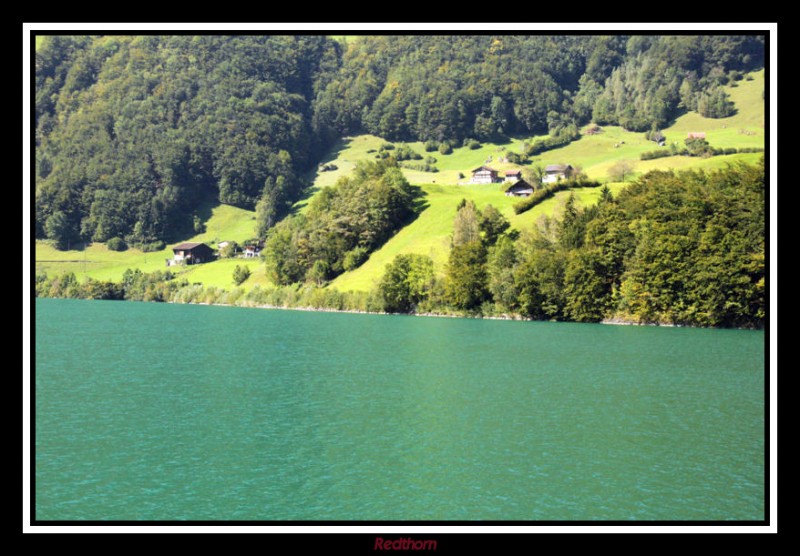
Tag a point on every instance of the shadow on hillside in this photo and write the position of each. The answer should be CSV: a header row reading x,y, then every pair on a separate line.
x,y
341,144
184,224
420,203
501,140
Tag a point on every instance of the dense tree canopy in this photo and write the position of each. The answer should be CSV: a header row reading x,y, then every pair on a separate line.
x,y
682,248
133,132
408,280
457,87
342,224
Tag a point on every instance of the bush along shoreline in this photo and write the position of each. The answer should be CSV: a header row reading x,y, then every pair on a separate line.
x,y
283,298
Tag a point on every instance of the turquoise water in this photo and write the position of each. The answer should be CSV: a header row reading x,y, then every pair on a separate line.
x,y
153,411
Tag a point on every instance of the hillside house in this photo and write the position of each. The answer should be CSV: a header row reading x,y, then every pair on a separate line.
x,y
696,135
520,189
513,175
190,253
484,174
251,251
556,172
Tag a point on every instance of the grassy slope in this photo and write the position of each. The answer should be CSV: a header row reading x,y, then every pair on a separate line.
x,y
595,154
98,262
430,232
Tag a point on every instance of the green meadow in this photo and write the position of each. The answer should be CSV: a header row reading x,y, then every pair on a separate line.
x,y
429,233
100,263
595,154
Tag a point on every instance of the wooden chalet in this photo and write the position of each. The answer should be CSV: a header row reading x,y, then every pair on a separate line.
x,y
513,175
556,172
484,174
520,189
190,253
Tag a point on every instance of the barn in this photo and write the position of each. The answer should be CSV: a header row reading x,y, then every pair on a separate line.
x,y
190,253
520,189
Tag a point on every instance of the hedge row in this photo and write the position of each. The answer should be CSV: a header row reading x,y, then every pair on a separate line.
x,y
548,191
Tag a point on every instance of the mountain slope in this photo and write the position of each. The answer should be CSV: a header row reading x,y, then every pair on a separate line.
x,y
430,233
133,134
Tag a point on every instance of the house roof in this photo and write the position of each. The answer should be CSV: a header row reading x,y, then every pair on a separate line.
x,y
557,167
521,184
696,135
513,172
483,168
188,246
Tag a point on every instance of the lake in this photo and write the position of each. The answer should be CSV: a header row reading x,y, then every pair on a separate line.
x,y
149,411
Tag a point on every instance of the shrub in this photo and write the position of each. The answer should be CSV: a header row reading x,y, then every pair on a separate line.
x,y
565,137
697,147
445,148
116,244
240,274
550,190
431,146
473,144
153,246
406,153
650,155
516,158
386,147
229,251
420,166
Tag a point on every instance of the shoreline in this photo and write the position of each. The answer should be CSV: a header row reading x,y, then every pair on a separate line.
x,y
613,321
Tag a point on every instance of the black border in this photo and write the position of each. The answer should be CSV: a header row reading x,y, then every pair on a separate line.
x,y
365,541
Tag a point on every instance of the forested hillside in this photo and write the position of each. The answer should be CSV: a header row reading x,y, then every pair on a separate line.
x,y
133,133
483,87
